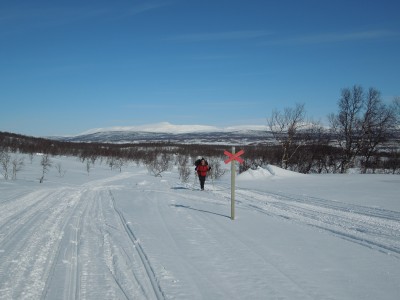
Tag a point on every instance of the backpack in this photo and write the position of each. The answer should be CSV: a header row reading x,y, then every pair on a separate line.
x,y
198,162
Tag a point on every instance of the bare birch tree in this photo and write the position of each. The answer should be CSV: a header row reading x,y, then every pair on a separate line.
x,y
346,125
285,127
377,122
363,123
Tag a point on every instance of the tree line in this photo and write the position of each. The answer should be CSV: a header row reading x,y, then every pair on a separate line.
x,y
363,134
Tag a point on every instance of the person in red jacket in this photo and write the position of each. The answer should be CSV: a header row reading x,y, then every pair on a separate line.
x,y
202,170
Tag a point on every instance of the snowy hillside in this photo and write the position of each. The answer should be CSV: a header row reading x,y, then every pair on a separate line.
x,y
166,127
129,235
165,131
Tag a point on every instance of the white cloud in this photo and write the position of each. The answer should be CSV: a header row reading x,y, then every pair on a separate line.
x,y
147,6
335,37
220,36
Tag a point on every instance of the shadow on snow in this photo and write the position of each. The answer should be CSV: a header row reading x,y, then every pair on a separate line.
x,y
200,210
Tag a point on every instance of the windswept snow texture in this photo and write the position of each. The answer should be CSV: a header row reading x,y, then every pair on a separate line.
x,y
112,235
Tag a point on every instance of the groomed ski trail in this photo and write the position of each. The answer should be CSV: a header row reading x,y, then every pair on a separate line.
x,y
71,243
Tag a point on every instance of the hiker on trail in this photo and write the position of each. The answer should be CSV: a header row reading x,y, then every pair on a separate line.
x,y
202,168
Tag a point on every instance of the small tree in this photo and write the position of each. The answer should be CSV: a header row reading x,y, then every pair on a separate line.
x,y
46,164
17,164
5,162
88,165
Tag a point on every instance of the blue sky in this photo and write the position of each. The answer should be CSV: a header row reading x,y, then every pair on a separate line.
x,y
69,66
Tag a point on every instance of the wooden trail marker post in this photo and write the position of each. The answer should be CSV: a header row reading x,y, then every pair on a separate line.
x,y
232,157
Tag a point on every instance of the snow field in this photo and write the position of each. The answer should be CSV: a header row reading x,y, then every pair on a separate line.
x,y
111,235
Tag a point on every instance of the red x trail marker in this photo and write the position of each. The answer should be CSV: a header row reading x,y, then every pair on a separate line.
x,y
234,156
231,158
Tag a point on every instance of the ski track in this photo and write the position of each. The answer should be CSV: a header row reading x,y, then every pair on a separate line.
x,y
30,245
75,238
142,254
375,228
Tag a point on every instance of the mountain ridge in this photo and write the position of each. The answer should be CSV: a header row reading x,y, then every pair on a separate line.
x,y
163,132
166,127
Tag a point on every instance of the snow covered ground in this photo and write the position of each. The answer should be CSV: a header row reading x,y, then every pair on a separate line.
x,y
128,235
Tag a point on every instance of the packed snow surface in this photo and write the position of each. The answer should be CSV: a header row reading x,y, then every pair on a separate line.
x,y
127,235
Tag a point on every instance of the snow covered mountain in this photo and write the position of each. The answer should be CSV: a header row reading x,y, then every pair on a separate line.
x,y
253,134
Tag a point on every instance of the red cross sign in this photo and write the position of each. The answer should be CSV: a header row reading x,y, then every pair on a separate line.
x,y
234,156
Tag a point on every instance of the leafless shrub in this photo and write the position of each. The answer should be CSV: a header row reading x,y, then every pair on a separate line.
x,y
46,163
5,162
183,168
156,164
119,163
217,169
60,170
249,163
10,164
111,162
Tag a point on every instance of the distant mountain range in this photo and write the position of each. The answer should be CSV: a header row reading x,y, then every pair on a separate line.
x,y
166,132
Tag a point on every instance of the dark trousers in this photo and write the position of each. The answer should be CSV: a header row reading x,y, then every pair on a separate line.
x,y
202,180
